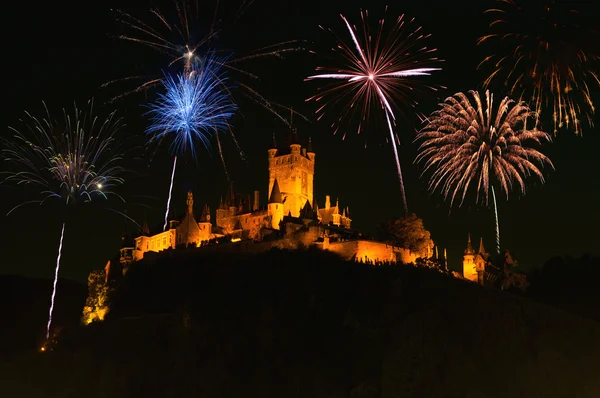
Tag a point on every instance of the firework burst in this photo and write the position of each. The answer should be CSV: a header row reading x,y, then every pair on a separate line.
x,y
195,105
541,51
377,74
183,37
74,162
470,144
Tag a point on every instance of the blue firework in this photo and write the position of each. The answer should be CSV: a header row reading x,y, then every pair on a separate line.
x,y
196,104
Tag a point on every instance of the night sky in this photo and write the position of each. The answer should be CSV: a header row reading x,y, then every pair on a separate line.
x,y
64,53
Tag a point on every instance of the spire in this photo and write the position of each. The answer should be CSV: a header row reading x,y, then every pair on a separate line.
x,y
481,248
205,214
274,142
469,247
190,202
337,206
275,193
230,199
309,147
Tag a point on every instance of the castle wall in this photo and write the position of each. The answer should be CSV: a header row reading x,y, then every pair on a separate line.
x,y
371,251
252,222
159,242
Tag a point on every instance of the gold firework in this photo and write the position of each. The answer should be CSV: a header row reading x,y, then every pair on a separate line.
x,y
540,51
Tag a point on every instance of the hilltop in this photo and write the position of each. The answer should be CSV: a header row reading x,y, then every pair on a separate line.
x,y
307,323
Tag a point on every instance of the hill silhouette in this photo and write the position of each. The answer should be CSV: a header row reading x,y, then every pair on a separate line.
x,y
24,305
306,323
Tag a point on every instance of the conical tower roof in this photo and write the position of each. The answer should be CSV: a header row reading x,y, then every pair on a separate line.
x,y
469,249
275,193
481,248
205,214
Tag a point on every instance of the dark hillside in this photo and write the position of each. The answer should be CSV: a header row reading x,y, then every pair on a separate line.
x,y
307,324
24,305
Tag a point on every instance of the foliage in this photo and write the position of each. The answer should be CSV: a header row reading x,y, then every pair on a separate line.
x,y
96,305
509,278
407,232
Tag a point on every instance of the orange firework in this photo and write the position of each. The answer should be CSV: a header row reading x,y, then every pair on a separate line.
x,y
541,52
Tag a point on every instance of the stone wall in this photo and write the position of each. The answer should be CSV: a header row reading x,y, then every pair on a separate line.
x,y
252,222
370,251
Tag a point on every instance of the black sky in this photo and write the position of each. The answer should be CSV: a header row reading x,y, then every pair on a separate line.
x,y
64,52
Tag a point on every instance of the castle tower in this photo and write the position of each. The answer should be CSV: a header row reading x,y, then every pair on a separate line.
x,y
294,171
275,206
309,150
273,149
469,270
188,230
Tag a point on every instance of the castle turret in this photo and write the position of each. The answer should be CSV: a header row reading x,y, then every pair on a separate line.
x,y
190,203
469,270
275,206
327,202
188,231
230,201
273,149
309,150
294,144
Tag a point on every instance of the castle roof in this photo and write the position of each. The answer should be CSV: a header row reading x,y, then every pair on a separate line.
x,y
293,136
469,249
307,212
230,198
274,142
481,248
275,193
205,217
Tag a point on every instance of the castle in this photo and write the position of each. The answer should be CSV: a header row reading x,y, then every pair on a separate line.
x,y
290,219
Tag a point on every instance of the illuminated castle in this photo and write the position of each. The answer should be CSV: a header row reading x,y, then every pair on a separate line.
x,y
290,218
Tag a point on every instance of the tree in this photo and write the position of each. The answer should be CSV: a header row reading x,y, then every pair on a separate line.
x,y
407,232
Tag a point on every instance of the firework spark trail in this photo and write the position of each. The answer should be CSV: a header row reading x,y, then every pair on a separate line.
x,y
469,143
545,54
497,223
73,162
179,42
196,104
397,163
62,234
170,193
376,75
